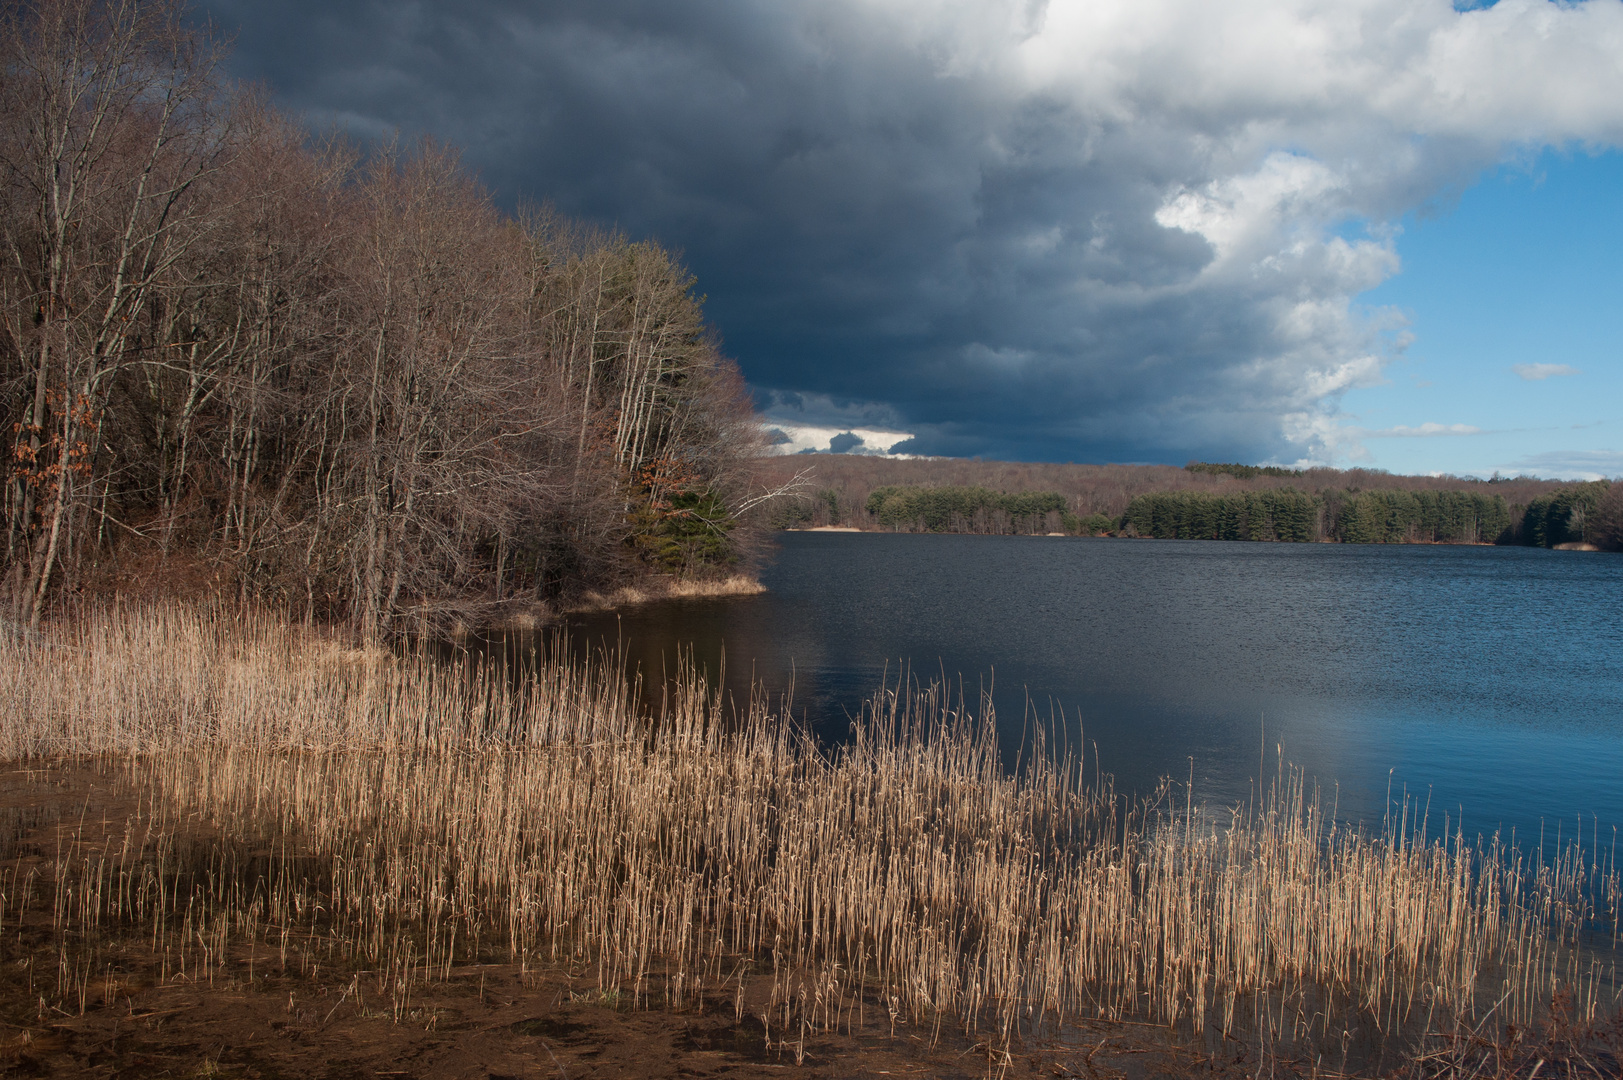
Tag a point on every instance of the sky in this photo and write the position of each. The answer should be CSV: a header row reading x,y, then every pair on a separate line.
x,y
1381,233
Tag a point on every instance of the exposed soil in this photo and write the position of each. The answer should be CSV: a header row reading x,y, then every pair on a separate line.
x,y
284,1027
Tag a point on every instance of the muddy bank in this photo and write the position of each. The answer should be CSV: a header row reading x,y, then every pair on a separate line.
x,y
119,1007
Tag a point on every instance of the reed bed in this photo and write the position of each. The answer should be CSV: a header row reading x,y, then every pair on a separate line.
x,y
398,817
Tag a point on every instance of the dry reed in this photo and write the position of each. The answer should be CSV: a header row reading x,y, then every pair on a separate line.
x,y
396,816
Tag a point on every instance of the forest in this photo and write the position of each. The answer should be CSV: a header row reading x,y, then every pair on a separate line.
x,y
1366,517
1590,513
966,509
1203,500
241,360
1584,514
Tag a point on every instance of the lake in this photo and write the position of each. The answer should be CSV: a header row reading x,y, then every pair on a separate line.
x,y
1488,681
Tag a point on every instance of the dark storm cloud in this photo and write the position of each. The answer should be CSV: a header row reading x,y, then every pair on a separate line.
x,y
1006,232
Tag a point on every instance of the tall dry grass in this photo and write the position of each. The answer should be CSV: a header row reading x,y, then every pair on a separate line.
x,y
402,817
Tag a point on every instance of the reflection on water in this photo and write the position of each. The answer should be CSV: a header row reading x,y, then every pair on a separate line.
x,y
1487,680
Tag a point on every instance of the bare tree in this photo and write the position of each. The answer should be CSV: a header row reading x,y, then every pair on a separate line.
x,y
111,117
361,388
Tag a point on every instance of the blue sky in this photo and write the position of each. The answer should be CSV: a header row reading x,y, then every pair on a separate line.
x,y
1525,267
1294,231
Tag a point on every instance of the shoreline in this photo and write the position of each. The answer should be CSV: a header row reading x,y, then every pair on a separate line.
x,y
423,823
1204,540
665,589
596,602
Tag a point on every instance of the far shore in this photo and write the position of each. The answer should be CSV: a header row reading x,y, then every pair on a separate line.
x,y
1117,536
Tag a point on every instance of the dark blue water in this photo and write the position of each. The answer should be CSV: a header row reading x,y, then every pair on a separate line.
x,y
1488,681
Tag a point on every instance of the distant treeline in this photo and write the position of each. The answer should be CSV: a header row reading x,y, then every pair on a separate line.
x,y
1365,517
1242,472
843,483
1202,500
1252,515
965,509
1589,513
946,508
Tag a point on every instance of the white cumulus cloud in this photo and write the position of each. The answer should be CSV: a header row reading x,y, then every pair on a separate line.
x,y
787,438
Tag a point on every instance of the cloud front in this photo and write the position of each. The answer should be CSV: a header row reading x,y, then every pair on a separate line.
x,y
1128,230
